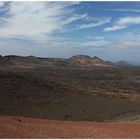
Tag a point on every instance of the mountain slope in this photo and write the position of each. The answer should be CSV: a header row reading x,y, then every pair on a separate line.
x,y
86,61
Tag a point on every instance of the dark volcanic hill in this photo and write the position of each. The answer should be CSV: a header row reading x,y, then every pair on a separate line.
x,y
74,61
32,61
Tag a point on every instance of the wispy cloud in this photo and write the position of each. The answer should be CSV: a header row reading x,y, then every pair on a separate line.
x,y
115,27
129,20
95,37
129,41
93,24
2,3
36,20
89,42
126,10
124,22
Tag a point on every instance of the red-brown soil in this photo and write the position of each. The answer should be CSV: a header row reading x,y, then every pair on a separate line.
x,y
20,127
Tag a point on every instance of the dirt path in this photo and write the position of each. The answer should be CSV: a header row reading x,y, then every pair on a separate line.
x,y
19,127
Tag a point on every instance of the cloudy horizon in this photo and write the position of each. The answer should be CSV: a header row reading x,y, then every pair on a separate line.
x,y
109,30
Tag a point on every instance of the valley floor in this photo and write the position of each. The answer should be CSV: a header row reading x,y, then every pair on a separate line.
x,y
69,103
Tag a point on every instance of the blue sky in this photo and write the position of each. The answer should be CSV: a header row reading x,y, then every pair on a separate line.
x,y
110,30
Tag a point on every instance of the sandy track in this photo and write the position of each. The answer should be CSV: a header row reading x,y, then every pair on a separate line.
x,y
20,127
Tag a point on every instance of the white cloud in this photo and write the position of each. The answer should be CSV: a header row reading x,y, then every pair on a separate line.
x,y
36,20
3,8
115,27
2,3
95,41
74,17
39,20
129,41
90,42
95,37
129,20
95,44
94,24
124,22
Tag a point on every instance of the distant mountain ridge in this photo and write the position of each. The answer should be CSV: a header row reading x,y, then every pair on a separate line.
x,y
74,61
123,63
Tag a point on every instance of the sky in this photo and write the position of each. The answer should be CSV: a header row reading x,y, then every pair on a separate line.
x,y
109,30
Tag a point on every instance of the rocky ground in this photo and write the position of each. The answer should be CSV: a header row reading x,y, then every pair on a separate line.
x,y
44,102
